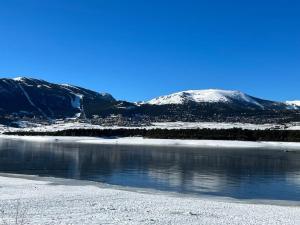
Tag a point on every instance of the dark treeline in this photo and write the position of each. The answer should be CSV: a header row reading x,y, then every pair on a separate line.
x,y
209,134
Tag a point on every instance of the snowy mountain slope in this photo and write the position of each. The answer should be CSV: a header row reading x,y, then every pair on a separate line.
x,y
34,97
215,96
22,98
210,96
294,104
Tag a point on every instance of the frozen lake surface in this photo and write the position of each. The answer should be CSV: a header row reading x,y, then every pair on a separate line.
x,y
252,173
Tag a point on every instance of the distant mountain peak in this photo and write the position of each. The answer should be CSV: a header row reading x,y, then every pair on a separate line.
x,y
204,96
28,79
35,98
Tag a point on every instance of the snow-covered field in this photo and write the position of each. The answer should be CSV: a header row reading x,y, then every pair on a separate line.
x,y
59,201
295,146
214,125
25,126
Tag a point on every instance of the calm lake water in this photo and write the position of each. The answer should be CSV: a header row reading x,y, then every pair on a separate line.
x,y
242,174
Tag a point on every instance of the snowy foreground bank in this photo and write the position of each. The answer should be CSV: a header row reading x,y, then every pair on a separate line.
x,y
59,126
59,201
159,142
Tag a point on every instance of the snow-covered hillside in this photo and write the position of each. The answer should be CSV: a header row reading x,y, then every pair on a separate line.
x,y
22,98
210,96
294,104
32,97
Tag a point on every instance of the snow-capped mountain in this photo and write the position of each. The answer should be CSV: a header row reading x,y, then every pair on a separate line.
x,y
208,96
38,99
217,96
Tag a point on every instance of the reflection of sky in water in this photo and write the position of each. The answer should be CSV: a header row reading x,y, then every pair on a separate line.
x,y
233,173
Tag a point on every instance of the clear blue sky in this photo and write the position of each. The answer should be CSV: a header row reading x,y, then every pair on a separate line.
x,y
138,49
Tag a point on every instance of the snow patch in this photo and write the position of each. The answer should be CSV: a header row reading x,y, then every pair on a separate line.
x,y
70,86
19,78
293,104
76,102
216,125
44,85
296,102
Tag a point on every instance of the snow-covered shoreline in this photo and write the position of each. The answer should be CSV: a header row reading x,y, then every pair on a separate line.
x,y
295,146
26,126
63,201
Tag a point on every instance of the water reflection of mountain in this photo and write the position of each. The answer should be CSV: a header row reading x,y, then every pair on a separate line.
x,y
179,169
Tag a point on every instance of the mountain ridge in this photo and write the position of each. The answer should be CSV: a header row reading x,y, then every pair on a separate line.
x,y
35,98
49,100
204,95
